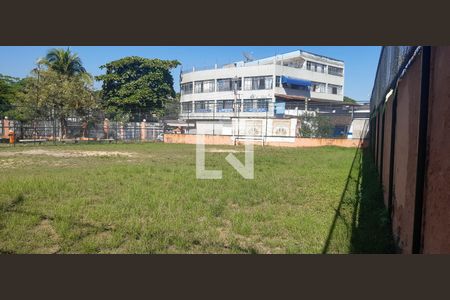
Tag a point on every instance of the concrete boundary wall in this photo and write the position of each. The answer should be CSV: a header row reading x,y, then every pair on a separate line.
x,y
436,220
405,153
387,148
425,228
290,142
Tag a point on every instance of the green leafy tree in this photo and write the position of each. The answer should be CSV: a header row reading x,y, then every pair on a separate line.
x,y
135,84
315,126
9,88
57,88
172,107
65,62
49,94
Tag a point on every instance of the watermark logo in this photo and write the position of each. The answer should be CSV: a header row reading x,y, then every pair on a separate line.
x,y
246,169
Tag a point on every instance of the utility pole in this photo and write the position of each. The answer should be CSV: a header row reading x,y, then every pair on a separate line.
x,y
214,115
267,117
188,112
235,79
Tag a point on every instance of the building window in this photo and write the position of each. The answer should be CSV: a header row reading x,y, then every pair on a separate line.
x,y
186,107
205,86
258,83
277,81
200,106
204,106
318,87
262,104
248,105
210,105
256,105
186,88
294,64
238,105
229,84
334,89
295,105
225,106
315,67
335,71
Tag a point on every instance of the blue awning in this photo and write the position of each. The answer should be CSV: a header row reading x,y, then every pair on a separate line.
x,y
295,81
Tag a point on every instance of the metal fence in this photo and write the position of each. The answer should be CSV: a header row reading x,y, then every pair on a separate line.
x,y
314,119
247,117
89,128
392,62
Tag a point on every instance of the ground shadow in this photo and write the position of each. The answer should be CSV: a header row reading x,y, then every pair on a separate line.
x,y
83,229
361,223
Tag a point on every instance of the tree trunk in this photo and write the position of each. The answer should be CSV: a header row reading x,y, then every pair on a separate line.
x,y
63,131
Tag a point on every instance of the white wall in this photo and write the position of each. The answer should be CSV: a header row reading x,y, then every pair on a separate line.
x,y
251,128
267,69
254,127
218,127
358,129
270,70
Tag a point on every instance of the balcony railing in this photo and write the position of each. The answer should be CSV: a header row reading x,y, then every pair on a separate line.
x,y
203,110
251,109
225,110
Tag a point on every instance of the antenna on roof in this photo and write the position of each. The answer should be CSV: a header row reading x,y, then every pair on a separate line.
x,y
248,56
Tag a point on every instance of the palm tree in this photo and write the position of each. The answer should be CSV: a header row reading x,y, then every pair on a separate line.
x,y
64,62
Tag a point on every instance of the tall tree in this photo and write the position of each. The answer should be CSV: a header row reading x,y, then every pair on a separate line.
x,y
172,107
9,87
58,87
64,62
135,84
48,94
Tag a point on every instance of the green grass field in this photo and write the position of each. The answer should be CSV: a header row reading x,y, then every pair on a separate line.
x,y
145,198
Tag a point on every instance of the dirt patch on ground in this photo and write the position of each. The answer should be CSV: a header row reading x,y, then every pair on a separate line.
x,y
7,163
45,230
241,243
214,150
67,153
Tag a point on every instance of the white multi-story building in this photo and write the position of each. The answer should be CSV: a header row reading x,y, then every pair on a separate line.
x,y
269,88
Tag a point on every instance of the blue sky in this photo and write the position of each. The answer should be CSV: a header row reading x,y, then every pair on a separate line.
x,y
360,61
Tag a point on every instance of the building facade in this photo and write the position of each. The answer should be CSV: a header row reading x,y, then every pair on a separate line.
x,y
277,87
